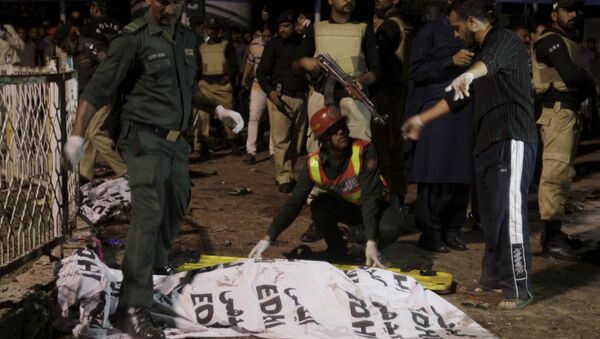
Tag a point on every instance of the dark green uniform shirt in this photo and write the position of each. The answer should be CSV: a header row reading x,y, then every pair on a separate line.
x,y
154,73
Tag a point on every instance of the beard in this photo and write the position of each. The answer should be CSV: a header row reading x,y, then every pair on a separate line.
x,y
469,39
567,25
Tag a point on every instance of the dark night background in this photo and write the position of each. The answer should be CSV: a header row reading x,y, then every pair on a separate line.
x,y
28,12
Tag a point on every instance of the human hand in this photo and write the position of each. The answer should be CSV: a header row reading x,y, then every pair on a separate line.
x,y
73,151
463,58
411,129
355,90
311,65
230,118
274,97
461,85
372,255
258,250
224,80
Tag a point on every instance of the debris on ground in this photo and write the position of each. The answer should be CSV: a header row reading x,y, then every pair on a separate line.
x,y
240,190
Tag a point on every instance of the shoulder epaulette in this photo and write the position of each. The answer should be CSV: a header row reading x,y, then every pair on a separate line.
x,y
135,25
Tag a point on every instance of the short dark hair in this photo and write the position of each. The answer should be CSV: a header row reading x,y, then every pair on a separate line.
x,y
537,24
519,26
474,8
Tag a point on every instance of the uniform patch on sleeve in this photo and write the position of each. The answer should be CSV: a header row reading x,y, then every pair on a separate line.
x,y
188,51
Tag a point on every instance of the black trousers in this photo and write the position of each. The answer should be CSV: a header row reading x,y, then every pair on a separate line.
x,y
441,209
328,210
387,138
503,173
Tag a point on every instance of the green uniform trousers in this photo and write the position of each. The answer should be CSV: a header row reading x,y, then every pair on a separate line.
x,y
560,129
160,193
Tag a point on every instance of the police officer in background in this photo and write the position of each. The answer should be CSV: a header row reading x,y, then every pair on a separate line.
x,y
389,93
562,84
220,68
94,39
286,93
347,169
153,67
354,48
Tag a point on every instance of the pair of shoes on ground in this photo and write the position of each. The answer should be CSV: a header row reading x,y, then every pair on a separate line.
x,y
437,245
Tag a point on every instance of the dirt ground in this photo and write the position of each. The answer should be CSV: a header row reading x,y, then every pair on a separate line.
x,y
567,294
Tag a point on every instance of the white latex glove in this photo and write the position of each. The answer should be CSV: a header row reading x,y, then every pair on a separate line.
x,y
372,255
73,150
231,119
460,86
258,250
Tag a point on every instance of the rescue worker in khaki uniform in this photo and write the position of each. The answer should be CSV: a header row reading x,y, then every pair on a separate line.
x,y
92,46
218,60
562,85
153,67
354,48
347,169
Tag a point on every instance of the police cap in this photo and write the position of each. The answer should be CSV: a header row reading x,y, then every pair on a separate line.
x,y
287,16
556,4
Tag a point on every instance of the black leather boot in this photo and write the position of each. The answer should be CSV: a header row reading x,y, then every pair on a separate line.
x,y
136,322
555,243
432,242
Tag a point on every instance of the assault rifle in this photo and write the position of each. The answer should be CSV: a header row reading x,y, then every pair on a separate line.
x,y
333,69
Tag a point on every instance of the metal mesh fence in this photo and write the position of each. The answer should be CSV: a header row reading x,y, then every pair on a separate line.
x,y
37,198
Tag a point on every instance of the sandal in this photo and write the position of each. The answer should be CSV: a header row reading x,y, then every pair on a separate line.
x,y
515,304
480,290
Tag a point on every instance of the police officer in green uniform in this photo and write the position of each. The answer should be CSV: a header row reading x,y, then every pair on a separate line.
x,y
347,170
153,67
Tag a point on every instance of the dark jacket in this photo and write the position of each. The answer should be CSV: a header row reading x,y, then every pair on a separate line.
x,y
443,153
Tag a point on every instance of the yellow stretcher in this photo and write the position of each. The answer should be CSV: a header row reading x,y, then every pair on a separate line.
x,y
438,282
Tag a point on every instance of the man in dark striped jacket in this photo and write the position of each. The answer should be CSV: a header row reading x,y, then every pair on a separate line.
x,y
505,147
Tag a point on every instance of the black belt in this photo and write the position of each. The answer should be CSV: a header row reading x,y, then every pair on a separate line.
x,y
163,133
297,95
573,106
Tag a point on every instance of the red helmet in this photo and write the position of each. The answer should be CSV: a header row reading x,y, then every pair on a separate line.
x,y
323,119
